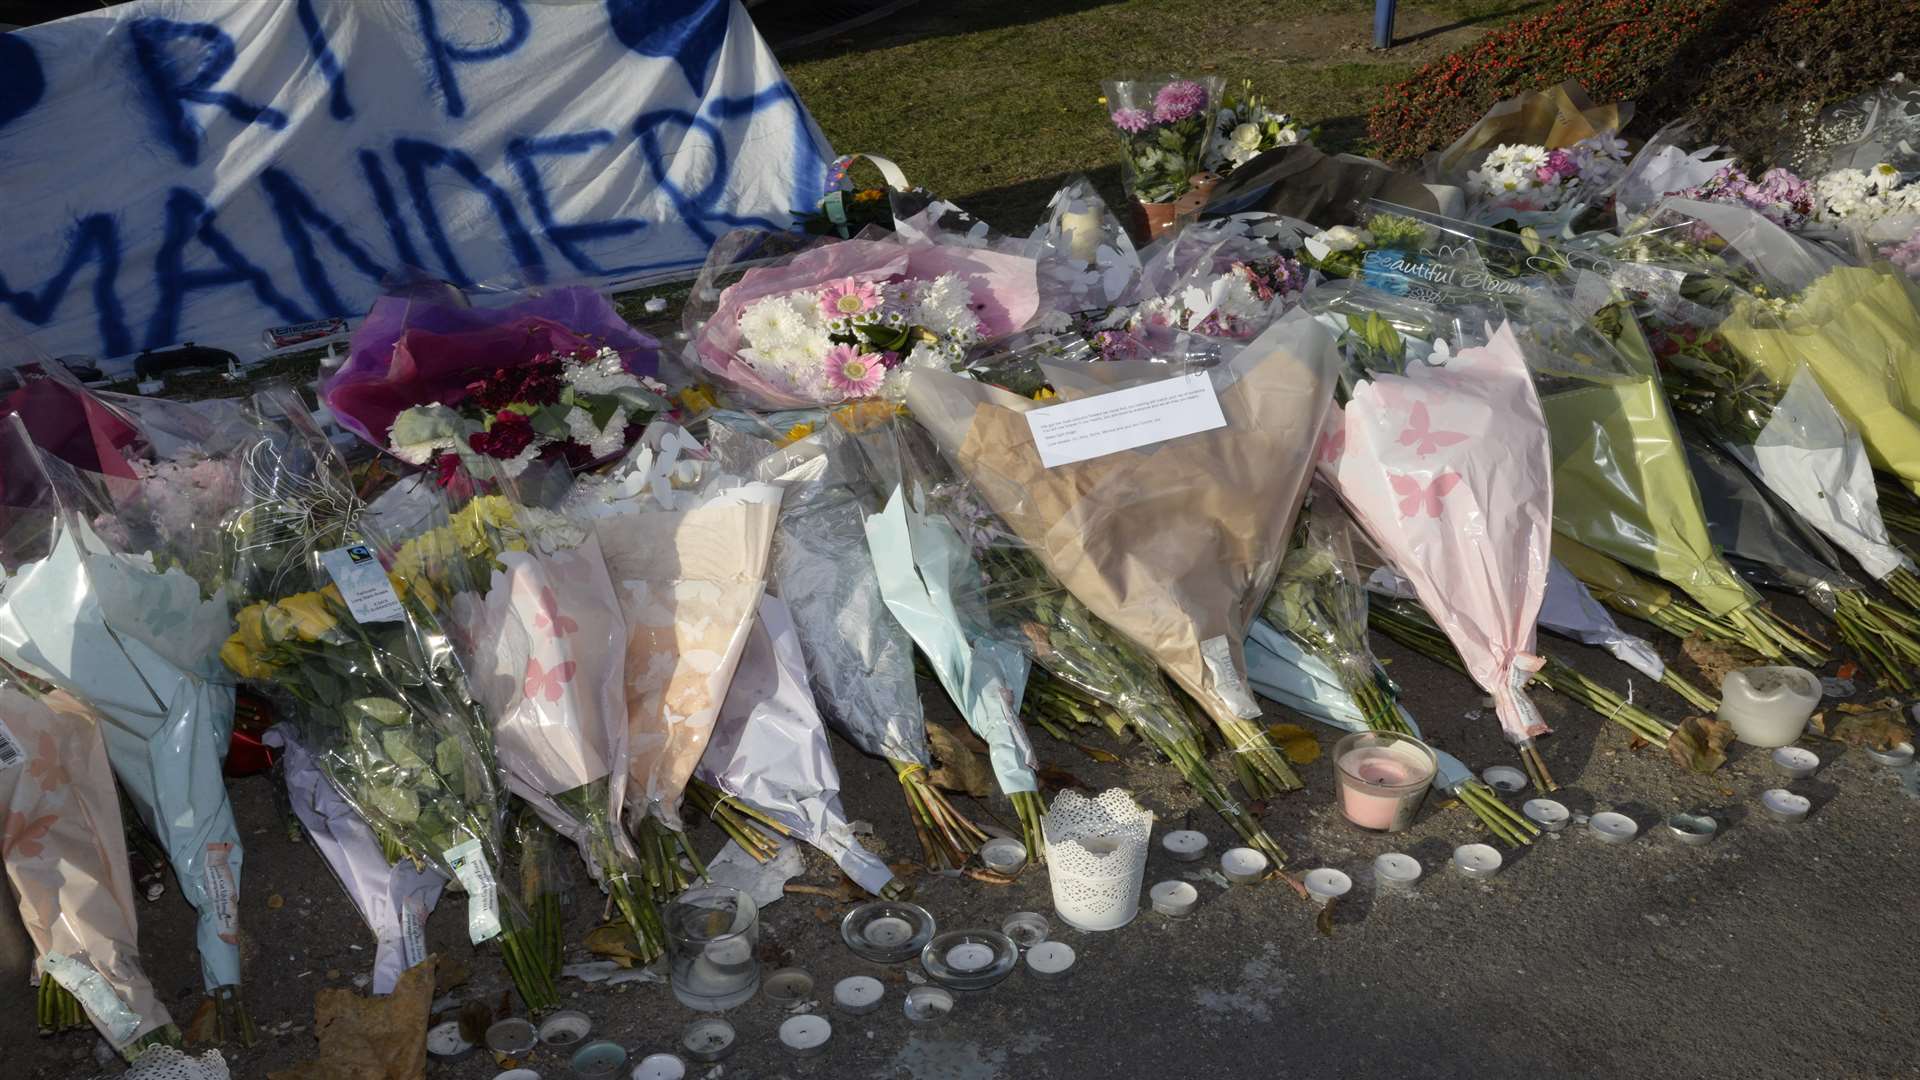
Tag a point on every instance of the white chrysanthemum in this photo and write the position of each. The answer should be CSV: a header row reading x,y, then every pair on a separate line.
x,y
518,463
600,441
764,323
604,374
1054,321
1236,301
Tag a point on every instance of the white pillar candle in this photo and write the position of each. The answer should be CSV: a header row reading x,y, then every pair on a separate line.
x,y
1173,897
1476,860
1326,885
805,1034
1050,960
888,930
1768,706
1082,232
1185,845
660,1067
858,994
1546,813
1395,872
1613,828
970,956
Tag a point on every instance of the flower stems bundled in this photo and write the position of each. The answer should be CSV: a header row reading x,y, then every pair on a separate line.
x,y
543,884
1059,708
756,833
56,1010
1630,594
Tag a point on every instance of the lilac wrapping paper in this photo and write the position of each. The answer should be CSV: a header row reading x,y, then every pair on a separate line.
x,y
379,379
769,748
394,900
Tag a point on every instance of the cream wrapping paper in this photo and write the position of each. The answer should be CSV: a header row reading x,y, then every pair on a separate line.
x,y
1174,544
66,854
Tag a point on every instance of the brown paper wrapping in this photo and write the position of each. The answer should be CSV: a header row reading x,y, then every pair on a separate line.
x,y
66,847
1175,544
370,1038
1554,118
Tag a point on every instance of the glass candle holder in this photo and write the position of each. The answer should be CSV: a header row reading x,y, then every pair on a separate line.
x,y
712,935
1384,777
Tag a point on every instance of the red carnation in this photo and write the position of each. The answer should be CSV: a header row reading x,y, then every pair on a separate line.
x,y
509,434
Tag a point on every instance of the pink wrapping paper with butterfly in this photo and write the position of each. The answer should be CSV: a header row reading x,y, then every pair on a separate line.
x,y
1447,468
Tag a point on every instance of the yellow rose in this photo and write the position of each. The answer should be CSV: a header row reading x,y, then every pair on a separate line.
x,y
242,661
251,628
308,616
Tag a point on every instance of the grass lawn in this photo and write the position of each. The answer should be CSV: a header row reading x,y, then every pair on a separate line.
x,y
993,102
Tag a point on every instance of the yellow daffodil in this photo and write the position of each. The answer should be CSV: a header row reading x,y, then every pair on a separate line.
x,y
796,433
1045,393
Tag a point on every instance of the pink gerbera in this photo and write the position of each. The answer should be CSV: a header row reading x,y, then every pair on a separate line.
x,y
854,373
846,297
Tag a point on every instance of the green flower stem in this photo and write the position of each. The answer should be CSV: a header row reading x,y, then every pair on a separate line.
x,y
1905,587
1884,638
1030,808
947,836
1694,696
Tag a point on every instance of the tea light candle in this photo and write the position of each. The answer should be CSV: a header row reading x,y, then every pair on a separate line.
x,y
1026,928
787,986
597,1060
1693,830
1395,872
1892,757
888,931
565,1028
1326,885
858,994
511,1038
707,1039
1796,762
1613,828
927,1004
1504,778
730,953
660,1067
1185,845
1476,860
1003,854
1784,805
445,1040
805,1035
1050,960
1546,813
1173,897
1243,865
970,956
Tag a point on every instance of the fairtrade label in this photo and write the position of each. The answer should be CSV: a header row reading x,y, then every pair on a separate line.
x,y
363,584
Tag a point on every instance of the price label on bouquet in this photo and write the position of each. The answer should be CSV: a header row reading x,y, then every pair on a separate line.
x,y
11,753
469,864
363,584
1126,419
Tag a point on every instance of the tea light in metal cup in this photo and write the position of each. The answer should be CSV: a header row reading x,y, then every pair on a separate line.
x,y
1026,928
1394,872
1243,865
805,1035
787,986
1326,885
1796,762
1693,830
1003,855
970,956
1613,828
858,994
565,1028
660,1067
445,1040
1894,756
1504,778
888,930
598,1060
1050,961
708,1039
1549,814
1783,805
928,1004
1185,845
1173,897
1476,860
510,1039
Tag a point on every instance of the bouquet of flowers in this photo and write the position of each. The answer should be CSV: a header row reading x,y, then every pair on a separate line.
x,y
66,857
769,750
858,656
363,653
394,898
1174,544
1444,461
140,646
1244,128
1225,278
845,321
554,376
1862,198
1532,185
1166,127
1779,195
543,639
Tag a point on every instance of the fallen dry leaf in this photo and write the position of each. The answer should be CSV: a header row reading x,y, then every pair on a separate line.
x,y
1716,658
204,1028
275,903
370,1038
1700,744
1296,742
475,1017
449,972
1324,921
840,892
1872,728
1055,780
959,768
1105,757
616,942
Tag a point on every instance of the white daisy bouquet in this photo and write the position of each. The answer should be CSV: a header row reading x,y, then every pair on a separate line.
x,y
1863,198
846,321
1527,179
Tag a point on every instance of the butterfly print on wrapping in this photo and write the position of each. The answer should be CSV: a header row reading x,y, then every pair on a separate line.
x,y
548,682
550,619
1417,499
1420,435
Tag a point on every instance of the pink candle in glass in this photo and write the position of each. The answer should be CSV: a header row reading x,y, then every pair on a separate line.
x,y
1367,809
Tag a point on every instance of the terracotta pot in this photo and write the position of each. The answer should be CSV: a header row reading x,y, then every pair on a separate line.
x,y
1159,216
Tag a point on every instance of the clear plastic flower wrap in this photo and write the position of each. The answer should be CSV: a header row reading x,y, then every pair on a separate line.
x,y
1174,543
140,645
363,657
1166,127
66,857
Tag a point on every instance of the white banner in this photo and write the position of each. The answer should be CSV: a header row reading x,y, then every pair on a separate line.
x,y
204,170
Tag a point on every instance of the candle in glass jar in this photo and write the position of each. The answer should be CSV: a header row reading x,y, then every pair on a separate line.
x,y
1375,766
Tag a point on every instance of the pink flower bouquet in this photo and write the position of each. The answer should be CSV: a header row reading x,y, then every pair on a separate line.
x,y
845,321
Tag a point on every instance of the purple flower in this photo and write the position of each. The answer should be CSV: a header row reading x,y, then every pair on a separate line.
x,y
1560,166
1178,100
1131,121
